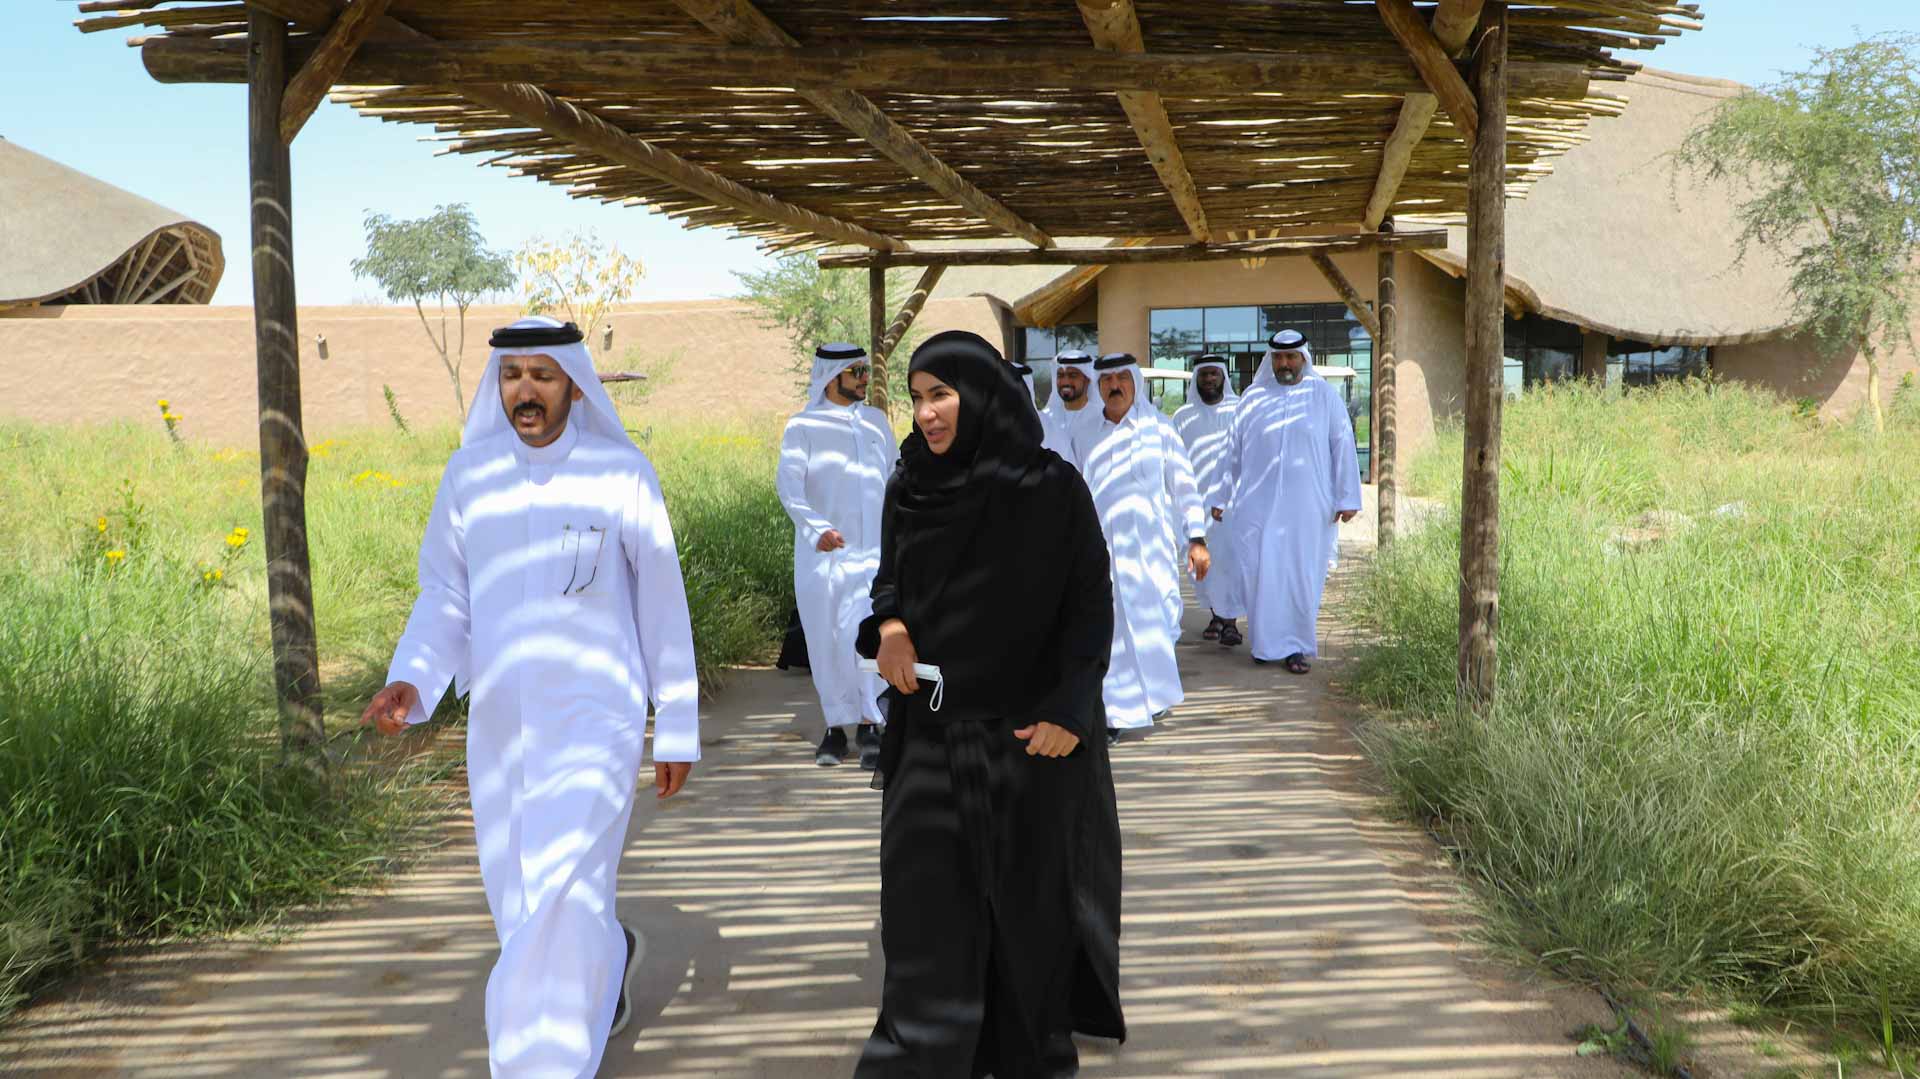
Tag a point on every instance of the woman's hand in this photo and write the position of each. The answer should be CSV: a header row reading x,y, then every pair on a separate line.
x,y
897,657
1048,740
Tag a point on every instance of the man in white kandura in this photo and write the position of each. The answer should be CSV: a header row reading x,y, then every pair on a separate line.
x,y
1072,379
550,590
835,459
1203,423
1293,478
1143,488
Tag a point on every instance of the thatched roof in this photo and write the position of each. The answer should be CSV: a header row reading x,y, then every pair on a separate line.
x,y
1614,240
1618,240
888,122
70,238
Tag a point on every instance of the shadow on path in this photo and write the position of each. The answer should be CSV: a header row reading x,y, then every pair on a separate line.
x,y
1264,933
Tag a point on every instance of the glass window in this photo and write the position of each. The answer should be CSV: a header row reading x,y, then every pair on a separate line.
x,y
1226,326
1637,363
1175,333
1540,350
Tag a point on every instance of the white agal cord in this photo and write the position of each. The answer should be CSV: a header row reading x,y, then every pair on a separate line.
x,y
923,670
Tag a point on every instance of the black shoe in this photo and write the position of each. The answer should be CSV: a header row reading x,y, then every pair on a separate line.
x,y
1212,632
833,748
1113,736
1229,635
868,737
622,1010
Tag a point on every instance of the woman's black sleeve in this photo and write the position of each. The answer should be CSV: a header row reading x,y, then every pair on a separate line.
x,y
1084,624
886,592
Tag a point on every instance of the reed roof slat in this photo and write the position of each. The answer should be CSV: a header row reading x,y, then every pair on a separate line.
x,y
1065,159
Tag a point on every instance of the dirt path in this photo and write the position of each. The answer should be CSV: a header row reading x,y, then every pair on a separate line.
x,y
1274,926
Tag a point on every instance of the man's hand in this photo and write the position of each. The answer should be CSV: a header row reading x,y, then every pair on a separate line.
x,y
1198,560
1345,515
389,709
669,777
1219,514
1048,740
896,657
830,540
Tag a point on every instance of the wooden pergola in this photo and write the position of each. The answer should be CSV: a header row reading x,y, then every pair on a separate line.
x,y
1183,131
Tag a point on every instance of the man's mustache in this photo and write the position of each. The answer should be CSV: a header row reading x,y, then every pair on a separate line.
x,y
530,408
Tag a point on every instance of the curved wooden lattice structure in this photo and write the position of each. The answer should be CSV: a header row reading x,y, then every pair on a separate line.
x,y
85,241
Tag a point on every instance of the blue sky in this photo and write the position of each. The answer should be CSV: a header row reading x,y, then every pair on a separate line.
x,y
85,101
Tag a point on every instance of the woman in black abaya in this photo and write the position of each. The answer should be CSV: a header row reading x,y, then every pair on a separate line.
x,y
999,841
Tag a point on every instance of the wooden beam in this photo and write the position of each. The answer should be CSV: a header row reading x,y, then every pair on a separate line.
x,y
877,335
530,105
1453,23
1485,388
1434,64
1386,411
1348,294
1429,240
1115,27
739,21
897,329
323,68
283,444
666,65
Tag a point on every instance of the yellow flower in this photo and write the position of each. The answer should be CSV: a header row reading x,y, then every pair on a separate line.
x,y
236,541
170,417
242,533
116,556
101,525
163,404
219,574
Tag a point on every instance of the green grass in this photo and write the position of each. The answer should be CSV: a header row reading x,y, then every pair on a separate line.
x,y
139,797
1702,772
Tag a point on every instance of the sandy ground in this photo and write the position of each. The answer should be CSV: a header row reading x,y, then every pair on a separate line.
x,y
1274,925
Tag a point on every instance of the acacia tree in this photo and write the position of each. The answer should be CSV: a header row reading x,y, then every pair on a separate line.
x,y
440,257
816,306
1828,160
580,277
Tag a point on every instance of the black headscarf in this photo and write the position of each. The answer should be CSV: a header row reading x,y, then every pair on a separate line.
x,y
943,501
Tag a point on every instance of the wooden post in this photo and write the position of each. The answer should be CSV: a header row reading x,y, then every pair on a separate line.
x,y
910,310
1486,289
1386,349
877,336
283,446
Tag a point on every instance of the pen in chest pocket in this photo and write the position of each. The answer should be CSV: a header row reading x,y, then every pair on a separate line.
x,y
584,545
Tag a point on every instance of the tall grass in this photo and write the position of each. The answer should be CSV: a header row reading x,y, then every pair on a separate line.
x,y
138,793
1704,769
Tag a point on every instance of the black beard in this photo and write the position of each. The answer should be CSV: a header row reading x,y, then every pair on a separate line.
x,y
1211,397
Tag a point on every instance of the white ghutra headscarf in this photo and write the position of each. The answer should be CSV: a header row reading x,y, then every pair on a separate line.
x,y
542,336
1282,341
1072,359
829,361
1228,394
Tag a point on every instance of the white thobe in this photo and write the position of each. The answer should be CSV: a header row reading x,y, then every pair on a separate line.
x,y
1057,432
1203,430
1144,490
550,588
834,464
1291,467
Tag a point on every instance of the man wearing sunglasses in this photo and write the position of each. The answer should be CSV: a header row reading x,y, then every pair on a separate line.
x,y
835,459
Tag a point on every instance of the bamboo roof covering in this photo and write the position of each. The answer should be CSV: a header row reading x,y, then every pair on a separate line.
x,y
849,110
